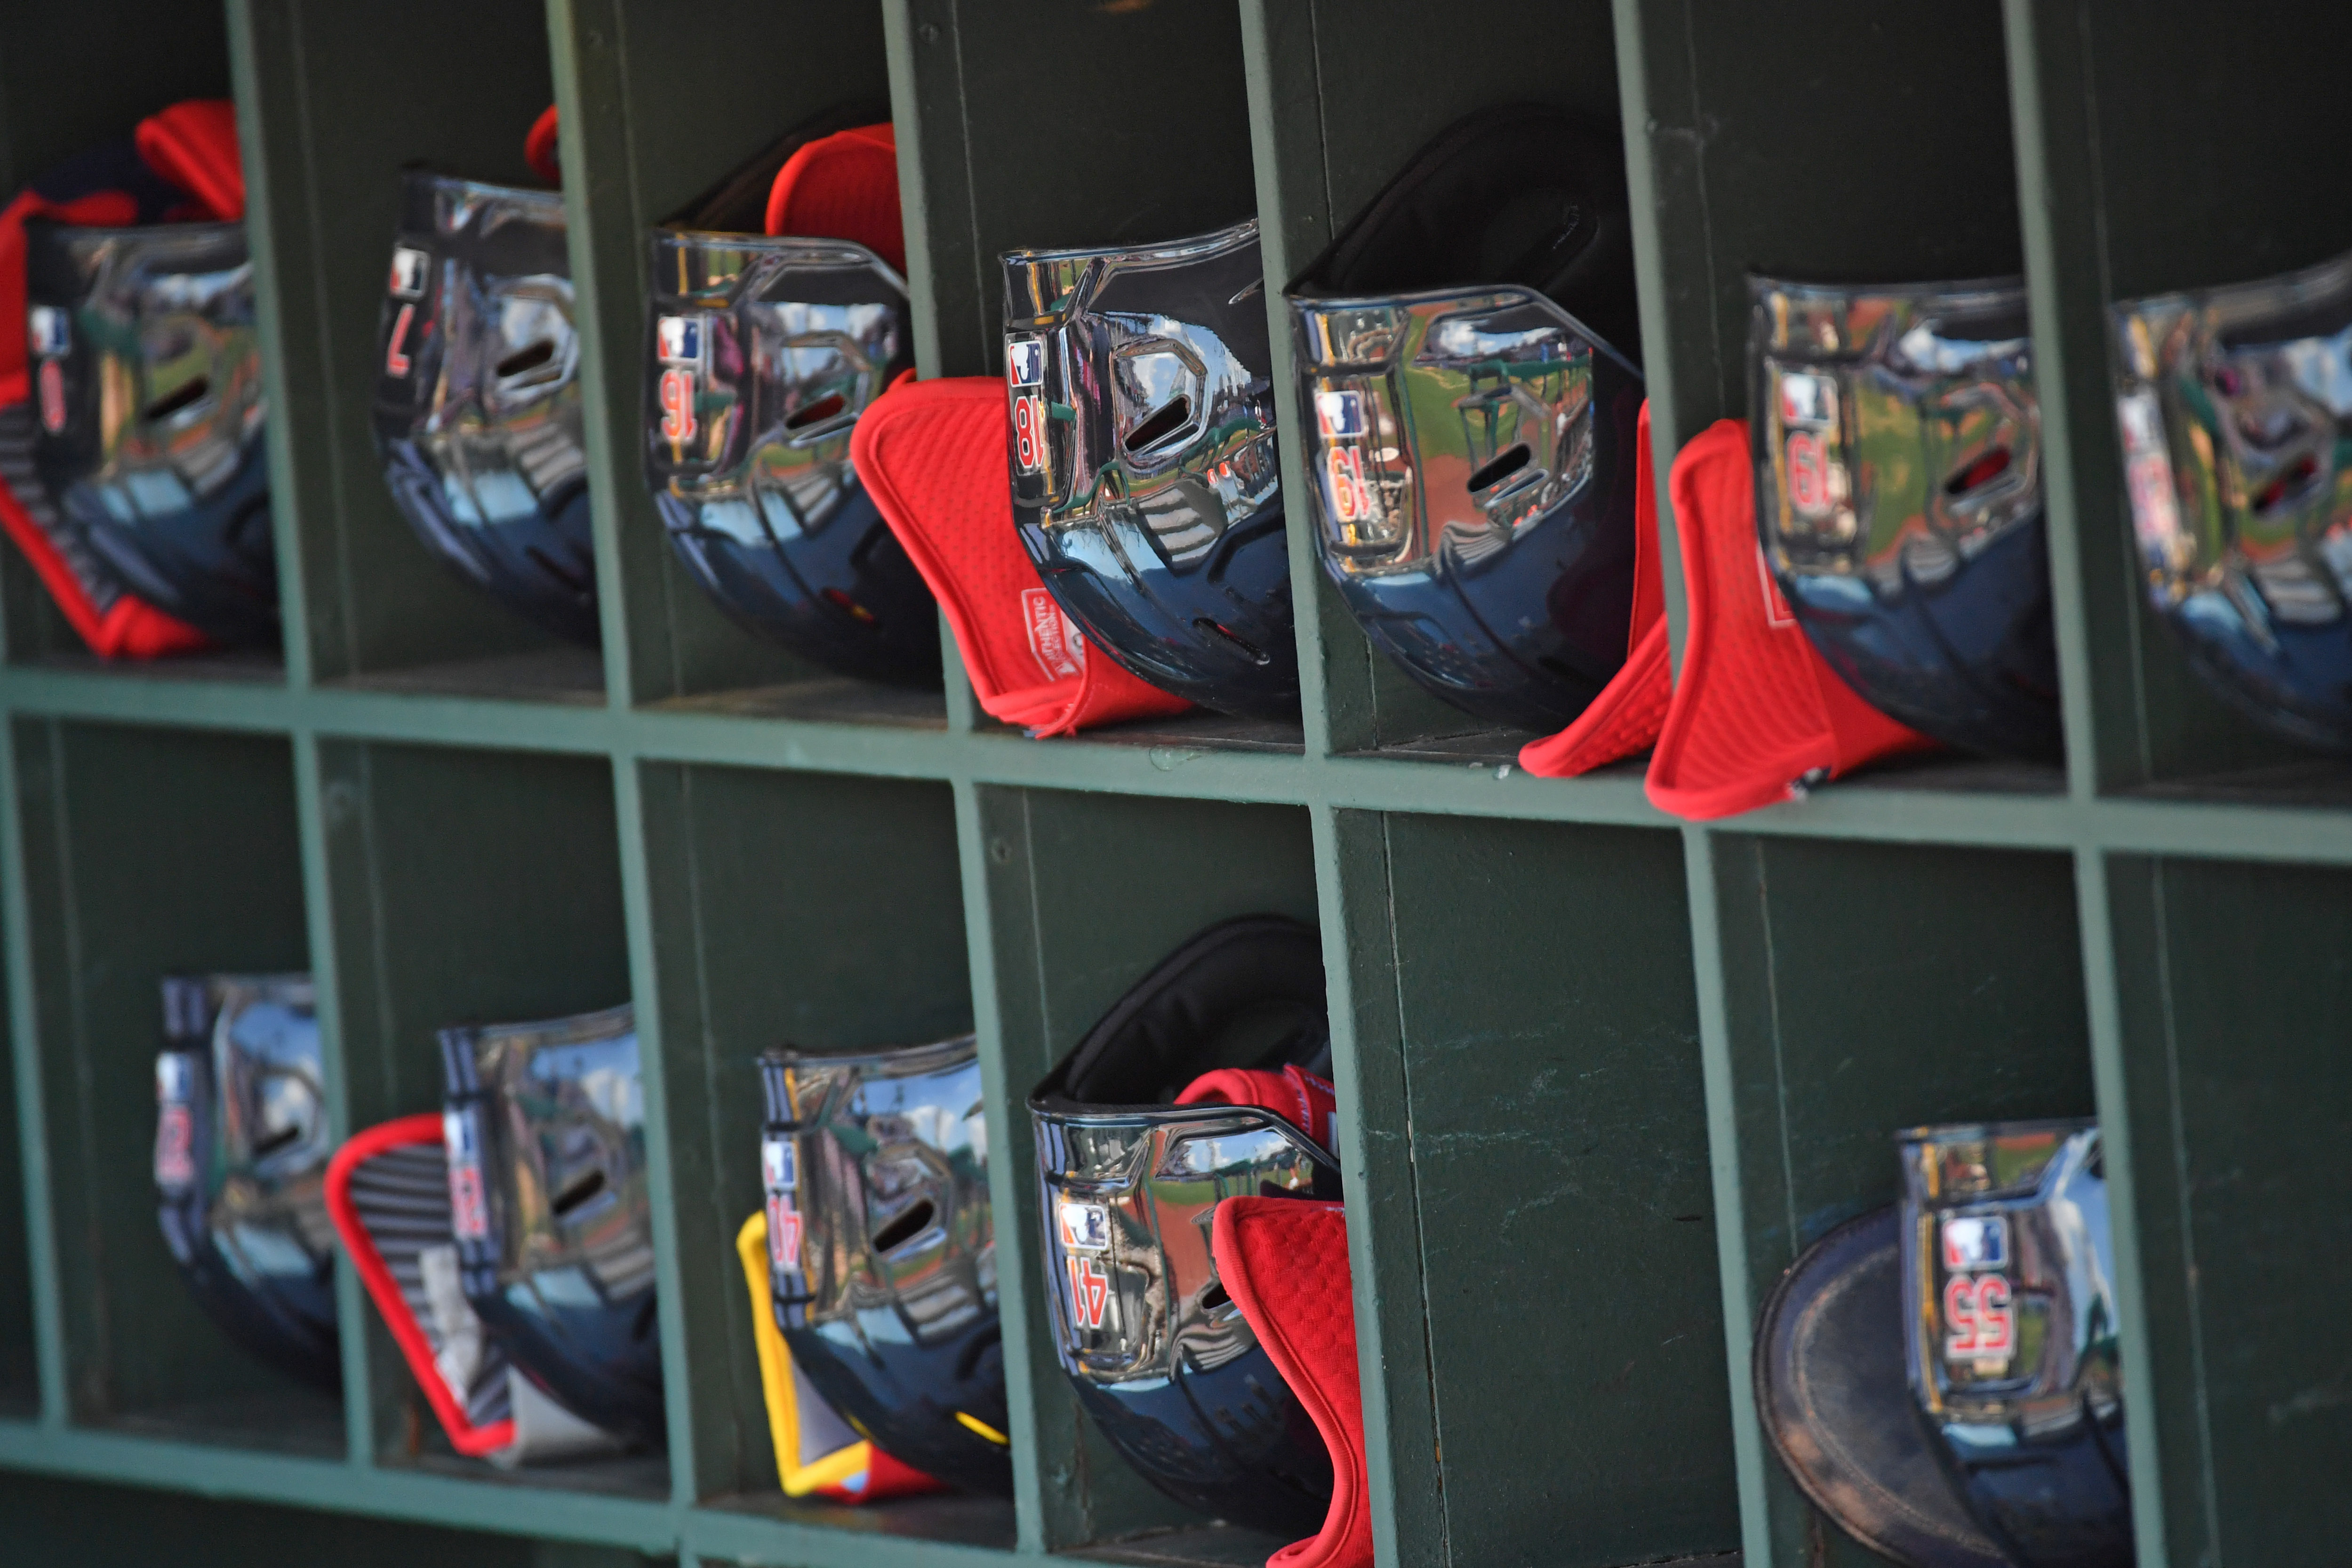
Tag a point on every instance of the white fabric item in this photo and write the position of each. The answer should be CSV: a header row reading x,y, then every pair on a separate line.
x,y
546,1430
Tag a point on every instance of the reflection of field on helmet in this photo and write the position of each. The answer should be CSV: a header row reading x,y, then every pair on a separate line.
x,y
241,1150
764,352
2235,405
477,405
544,1130
1898,488
1162,1359
883,1250
1943,1377
1146,479
150,414
1468,388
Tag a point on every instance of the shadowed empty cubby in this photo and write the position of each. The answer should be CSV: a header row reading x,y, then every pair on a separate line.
x,y
126,883
1543,1231
2236,1128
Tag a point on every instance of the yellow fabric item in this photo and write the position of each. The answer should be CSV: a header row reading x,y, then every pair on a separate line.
x,y
777,1385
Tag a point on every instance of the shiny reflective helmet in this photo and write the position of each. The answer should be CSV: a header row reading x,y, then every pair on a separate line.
x,y
1160,1356
1146,480
1898,500
2236,410
241,1150
1467,358
147,386
882,1250
2009,1303
1941,1376
544,1132
478,414
764,351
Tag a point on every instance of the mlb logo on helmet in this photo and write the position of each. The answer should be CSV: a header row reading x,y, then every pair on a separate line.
x,y
1085,1227
780,1163
1025,362
1340,413
681,340
408,268
1972,1242
49,331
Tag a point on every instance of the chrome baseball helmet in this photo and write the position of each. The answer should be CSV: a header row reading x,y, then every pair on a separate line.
x,y
1898,500
478,395
241,1152
1196,1085
544,1132
2236,409
1146,480
1469,380
882,1249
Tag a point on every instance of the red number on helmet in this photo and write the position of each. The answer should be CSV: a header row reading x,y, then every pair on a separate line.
x,y
1029,433
1089,1293
1809,478
396,363
677,405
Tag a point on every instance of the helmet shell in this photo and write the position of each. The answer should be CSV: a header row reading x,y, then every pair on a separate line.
x,y
478,412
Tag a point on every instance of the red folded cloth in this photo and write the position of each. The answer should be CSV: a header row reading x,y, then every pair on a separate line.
x,y
1284,1263
1624,719
932,454
1758,715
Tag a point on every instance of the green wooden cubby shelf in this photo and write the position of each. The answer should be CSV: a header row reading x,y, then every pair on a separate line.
x,y
1603,1074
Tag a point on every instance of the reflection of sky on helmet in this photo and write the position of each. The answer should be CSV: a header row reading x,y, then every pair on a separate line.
x,y
2323,368
600,1075
1924,348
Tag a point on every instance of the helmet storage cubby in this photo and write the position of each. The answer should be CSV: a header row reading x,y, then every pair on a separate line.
x,y
484,887
1065,943
380,612
156,55
824,914
125,885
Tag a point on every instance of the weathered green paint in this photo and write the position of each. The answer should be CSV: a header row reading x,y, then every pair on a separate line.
x,y
1556,1126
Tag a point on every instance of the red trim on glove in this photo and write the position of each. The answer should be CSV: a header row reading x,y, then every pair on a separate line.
x,y
468,1439
1625,719
844,186
932,454
1284,1263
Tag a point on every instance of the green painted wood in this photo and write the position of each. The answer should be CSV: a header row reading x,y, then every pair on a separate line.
x,y
2234,991
331,124
126,884
1556,1123
1868,989
1385,1222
